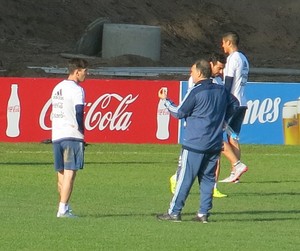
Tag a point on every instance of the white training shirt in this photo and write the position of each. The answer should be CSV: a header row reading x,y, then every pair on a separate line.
x,y
237,66
65,96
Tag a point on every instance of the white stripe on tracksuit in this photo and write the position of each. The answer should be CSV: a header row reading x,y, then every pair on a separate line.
x,y
201,165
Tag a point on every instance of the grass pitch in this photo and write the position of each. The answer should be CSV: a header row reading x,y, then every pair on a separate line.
x,y
123,187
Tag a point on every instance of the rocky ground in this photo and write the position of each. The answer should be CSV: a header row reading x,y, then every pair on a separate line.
x,y
36,33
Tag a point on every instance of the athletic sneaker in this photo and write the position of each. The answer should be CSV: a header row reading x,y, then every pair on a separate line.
x,y
173,183
229,179
203,218
239,170
169,217
237,181
235,176
67,214
218,194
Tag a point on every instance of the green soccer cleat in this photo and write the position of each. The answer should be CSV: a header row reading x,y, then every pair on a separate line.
x,y
218,194
173,183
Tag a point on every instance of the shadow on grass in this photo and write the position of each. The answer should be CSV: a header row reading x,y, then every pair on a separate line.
x,y
261,216
263,194
25,163
99,215
101,164
122,162
253,219
260,194
255,212
271,181
249,216
258,216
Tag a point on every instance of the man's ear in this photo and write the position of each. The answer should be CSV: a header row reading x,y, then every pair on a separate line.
x,y
199,73
76,72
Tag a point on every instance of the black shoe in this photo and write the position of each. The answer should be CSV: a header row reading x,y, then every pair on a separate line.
x,y
169,217
203,218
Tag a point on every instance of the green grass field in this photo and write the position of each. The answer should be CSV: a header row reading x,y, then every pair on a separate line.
x,y
123,187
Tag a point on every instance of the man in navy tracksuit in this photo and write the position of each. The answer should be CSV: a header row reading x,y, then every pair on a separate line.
x,y
204,107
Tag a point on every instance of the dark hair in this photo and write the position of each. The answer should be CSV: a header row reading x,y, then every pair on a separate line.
x,y
232,36
77,63
217,57
204,67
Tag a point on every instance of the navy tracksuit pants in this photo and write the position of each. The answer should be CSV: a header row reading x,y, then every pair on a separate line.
x,y
203,166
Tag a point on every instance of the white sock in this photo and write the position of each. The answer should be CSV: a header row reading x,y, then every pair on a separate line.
x,y
215,186
63,207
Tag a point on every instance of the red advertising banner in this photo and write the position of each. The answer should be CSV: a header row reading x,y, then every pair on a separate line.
x,y
116,111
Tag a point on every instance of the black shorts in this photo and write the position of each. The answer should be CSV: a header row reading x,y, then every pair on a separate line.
x,y
236,120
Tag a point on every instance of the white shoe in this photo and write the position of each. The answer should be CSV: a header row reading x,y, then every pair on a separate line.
x,y
67,214
239,170
229,179
237,181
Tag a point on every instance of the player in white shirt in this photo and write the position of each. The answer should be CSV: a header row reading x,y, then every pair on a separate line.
x,y
235,77
66,95
68,131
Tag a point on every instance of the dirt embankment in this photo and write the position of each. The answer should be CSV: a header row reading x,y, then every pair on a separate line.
x,y
35,33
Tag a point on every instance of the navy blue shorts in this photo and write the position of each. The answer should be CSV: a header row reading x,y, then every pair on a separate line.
x,y
68,155
236,121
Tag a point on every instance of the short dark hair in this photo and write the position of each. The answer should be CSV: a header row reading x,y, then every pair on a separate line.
x,y
77,63
217,57
232,36
204,67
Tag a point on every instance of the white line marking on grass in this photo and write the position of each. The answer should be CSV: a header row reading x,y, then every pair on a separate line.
x,y
87,152
127,153
28,152
279,154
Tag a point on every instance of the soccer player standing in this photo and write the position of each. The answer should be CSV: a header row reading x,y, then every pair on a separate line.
x,y
68,131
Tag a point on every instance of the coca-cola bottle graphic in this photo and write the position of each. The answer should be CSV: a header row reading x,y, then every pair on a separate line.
x,y
13,113
163,119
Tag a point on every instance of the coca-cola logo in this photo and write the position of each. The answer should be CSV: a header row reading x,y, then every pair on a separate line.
x,y
99,114
13,108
